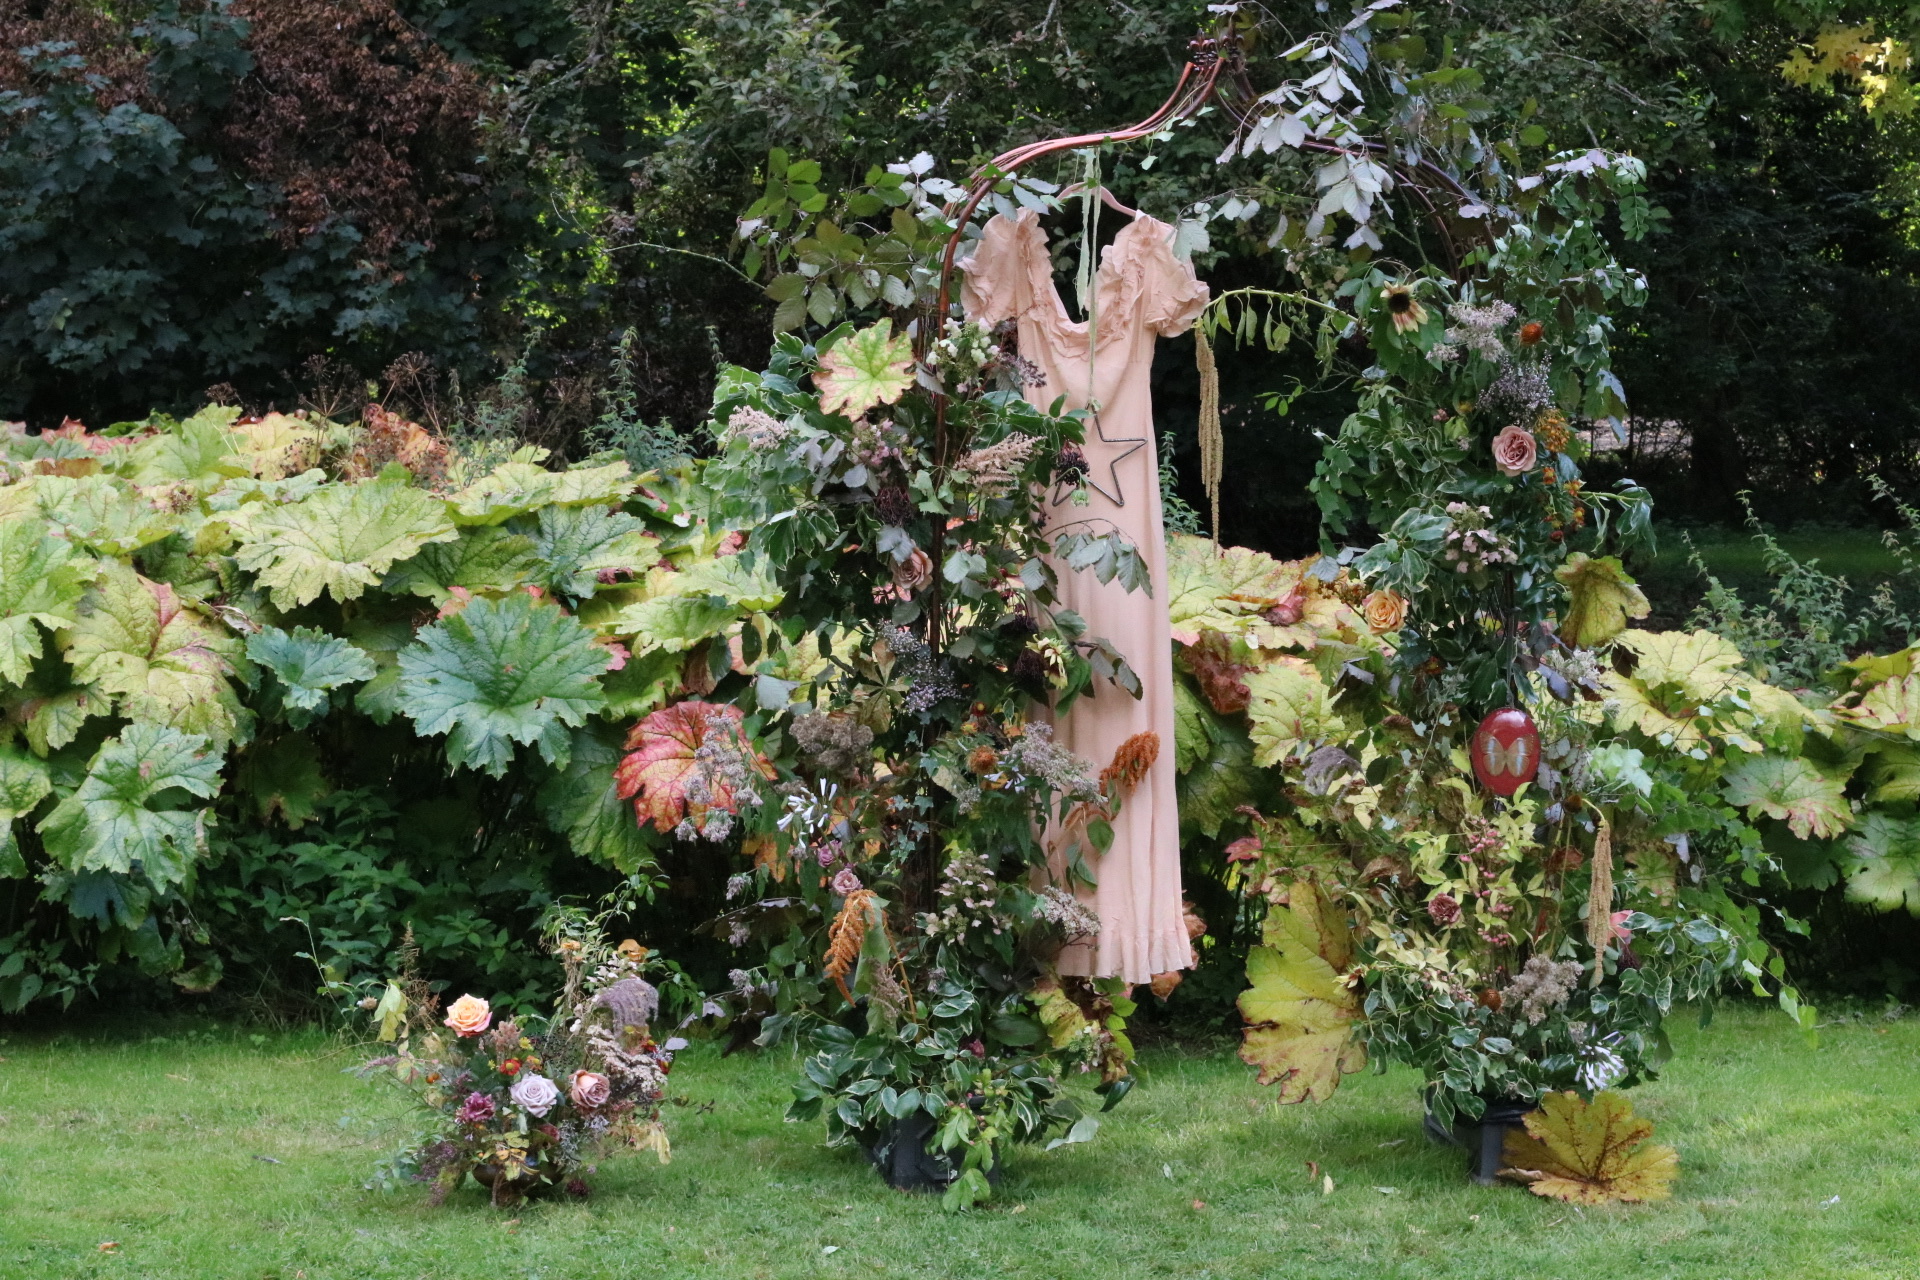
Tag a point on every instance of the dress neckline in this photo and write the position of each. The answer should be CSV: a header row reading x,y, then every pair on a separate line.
x,y
1107,276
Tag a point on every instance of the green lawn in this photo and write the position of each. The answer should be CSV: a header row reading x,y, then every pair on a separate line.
x,y
207,1154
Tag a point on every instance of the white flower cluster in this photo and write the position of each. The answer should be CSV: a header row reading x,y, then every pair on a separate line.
x,y
1470,544
1070,915
969,899
759,429
1476,329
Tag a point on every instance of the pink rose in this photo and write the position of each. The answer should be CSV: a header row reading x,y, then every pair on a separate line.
x,y
589,1090
469,1015
1514,451
913,573
845,882
535,1094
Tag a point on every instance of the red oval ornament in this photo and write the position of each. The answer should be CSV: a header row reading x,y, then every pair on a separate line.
x,y
1506,751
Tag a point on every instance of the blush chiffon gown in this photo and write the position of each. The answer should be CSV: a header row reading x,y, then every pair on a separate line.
x,y
1143,292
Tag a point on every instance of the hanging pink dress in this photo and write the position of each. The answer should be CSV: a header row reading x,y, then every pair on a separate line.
x,y
1143,293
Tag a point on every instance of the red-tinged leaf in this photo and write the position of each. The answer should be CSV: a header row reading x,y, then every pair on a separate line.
x,y
661,761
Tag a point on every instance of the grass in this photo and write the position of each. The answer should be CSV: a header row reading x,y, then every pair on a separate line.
x,y
216,1154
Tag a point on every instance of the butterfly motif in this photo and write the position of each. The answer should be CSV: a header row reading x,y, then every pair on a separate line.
x,y
1515,758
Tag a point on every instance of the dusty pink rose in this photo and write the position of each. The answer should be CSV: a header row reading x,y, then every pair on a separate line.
x,y
589,1089
469,1015
845,881
535,1094
1514,451
913,573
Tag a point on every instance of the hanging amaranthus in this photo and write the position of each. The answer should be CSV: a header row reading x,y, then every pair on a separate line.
x,y
1212,444
1600,899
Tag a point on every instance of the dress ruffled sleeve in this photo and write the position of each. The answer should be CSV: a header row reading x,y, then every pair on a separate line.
x,y
1174,295
996,286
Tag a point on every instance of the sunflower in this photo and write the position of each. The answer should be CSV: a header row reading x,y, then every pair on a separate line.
x,y
1404,309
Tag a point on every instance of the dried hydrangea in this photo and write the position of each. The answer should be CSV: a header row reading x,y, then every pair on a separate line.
x,y
1541,987
969,899
929,678
1521,391
832,742
723,781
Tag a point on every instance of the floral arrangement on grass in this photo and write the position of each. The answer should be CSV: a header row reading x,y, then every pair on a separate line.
x,y
529,1105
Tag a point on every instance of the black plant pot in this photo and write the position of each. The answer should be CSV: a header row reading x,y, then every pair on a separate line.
x,y
904,1158
1484,1139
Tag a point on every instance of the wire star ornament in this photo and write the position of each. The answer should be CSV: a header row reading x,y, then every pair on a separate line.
x,y
1063,492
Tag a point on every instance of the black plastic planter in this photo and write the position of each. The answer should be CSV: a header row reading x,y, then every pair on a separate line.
x,y
903,1157
1484,1139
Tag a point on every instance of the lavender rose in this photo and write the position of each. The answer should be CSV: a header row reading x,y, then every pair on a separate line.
x,y
535,1094
589,1090
845,881
1514,451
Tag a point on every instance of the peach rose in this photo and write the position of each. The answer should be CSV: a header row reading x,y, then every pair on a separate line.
x,y
589,1089
469,1015
1384,611
1514,451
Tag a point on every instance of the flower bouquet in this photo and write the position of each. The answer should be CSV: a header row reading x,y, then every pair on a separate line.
x,y
527,1106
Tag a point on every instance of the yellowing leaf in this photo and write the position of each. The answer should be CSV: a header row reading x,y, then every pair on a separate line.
x,y
1589,1152
1892,706
41,581
1601,597
1791,789
865,368
1290,706
200,452
341,539
159,660
1301,1010
1700,664
102,513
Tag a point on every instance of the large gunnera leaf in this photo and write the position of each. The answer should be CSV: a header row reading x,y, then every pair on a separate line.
x,y
575,545
702,601
1290,706
1589,1152
341,539
41,581
484,559
309,663
520,485
102,513
1884,864
200,452
502,672
1791,789
158,659
1302,1012
865,368
126,813
23,785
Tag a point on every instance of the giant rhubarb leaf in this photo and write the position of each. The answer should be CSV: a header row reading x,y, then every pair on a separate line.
x,y
1675,676
200,452
702,601
521,485
1791,789
341,539
309,663
575,545
1884,864
1301,1010
500,672
1589,1152
1291,706
863,369
121,817
23,785
102,513
284,778
158,659
662,759
41,581
1601,597
1892,706
485,559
